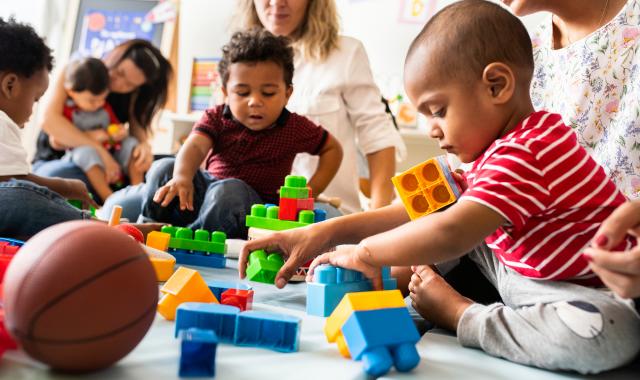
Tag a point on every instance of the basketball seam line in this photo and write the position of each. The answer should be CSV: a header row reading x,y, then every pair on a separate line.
x,y
55,300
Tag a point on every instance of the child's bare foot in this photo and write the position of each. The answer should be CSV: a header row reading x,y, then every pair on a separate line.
x,y
435,300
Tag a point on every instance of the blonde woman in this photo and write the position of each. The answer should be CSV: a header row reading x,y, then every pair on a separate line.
x,y
333,86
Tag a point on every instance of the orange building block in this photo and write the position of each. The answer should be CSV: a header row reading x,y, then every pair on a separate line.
x,y
359,301
186,285
162,262
158,240
427,187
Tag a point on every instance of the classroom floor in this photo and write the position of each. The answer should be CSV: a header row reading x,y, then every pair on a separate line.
x,y
158,354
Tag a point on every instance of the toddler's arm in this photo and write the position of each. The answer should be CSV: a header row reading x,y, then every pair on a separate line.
x,y
187,163
330,159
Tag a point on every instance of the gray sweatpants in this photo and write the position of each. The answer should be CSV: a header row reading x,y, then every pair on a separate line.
x,y
86,156
550,324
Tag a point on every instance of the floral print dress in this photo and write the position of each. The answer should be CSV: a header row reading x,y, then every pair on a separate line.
x,y
594,83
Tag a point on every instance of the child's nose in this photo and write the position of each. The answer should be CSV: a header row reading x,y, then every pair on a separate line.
x,y
255,101
434,130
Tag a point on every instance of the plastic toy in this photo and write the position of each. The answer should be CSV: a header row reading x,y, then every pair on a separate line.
x,y
111,144
427,187
239,298
162,262
219,287
199,248
6,341
185,285
330,284
78,204
158,240
209,316
277,332
8,249
132,231
267,218
116,213
263,267
198,353
375,327
295,187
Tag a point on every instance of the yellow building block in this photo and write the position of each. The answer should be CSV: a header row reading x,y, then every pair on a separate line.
x,y
162,262
158,240
427,187
186,285
380,299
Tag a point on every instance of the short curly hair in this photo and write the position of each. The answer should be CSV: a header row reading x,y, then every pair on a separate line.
x,y
257,45
22,51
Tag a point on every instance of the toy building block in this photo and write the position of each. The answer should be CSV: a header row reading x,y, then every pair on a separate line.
x,y
163,263
319,215
78,204
185,285
158,240
427,187
267,218
200,241
295,186
330,284
263,267
219,287
132,231
351,302
382,338
277,332
198,353
255,233
242,299
290,207
8,249
6,341
213,260
208,316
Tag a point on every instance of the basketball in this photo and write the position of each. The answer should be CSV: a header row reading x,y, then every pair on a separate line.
x,y
79,296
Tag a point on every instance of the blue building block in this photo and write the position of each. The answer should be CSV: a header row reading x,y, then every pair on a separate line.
x,y
200,259
382,338
331,283
219,287
198,353
319,215
277,332
209,316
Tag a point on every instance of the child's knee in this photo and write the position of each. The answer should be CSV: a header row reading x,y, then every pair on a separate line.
x,y
160,170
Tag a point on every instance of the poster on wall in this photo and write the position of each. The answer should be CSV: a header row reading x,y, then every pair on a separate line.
x,y
416,11
101,25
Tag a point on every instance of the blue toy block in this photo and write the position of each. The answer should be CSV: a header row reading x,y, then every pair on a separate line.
x,y
319,215
331,283
17,243
219,287
382,338
198,353
277,332
210,316
213,260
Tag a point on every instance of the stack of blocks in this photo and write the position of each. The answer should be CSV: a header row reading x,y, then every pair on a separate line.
x,y
375,327
330,284
295,210
196,248
277,332
427,187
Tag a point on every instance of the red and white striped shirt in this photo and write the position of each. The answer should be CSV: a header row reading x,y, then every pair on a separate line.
x,y
552,194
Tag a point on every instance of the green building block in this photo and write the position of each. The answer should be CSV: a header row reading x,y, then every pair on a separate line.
x,y
78,204
183,238
263,267
267,218
295,187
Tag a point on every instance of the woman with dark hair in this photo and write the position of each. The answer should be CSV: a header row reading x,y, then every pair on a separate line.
x,y
138,84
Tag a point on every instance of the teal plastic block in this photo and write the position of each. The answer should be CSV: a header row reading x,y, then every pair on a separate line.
x,y
330,284
382,338
183,238
267,218
277,332
263,267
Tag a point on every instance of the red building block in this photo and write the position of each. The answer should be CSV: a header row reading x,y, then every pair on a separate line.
x,y
290,207
6,341
239,298
6,254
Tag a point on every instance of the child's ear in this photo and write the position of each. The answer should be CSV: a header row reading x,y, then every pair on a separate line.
x,y
9,85
224,91
499,81
289,91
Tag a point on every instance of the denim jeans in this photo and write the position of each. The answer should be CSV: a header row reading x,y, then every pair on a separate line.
x,y
27,208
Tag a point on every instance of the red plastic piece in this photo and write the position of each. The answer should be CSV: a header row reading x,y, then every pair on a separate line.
x,y
6,341
7,252
290,207
132,231
239,298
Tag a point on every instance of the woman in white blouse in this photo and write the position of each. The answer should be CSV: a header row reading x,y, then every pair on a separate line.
x,y
334,87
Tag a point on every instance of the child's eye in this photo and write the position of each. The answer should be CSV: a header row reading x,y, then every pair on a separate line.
x,y
242,93
268,94
439,113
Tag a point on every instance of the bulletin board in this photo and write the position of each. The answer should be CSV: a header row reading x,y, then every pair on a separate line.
x,y
100,25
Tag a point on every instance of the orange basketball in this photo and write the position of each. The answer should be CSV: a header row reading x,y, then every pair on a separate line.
x,y
79,296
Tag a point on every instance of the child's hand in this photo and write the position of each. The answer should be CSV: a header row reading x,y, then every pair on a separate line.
x,y
349,257
180,186
99,135
76,189
142,157
458,176
117,132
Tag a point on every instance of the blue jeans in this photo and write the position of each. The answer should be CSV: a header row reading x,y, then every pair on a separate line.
x,y
219,204
27,208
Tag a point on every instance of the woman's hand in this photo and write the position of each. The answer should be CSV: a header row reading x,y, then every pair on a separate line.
x,y
142,156
620,271
180,186
350,257
297,246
